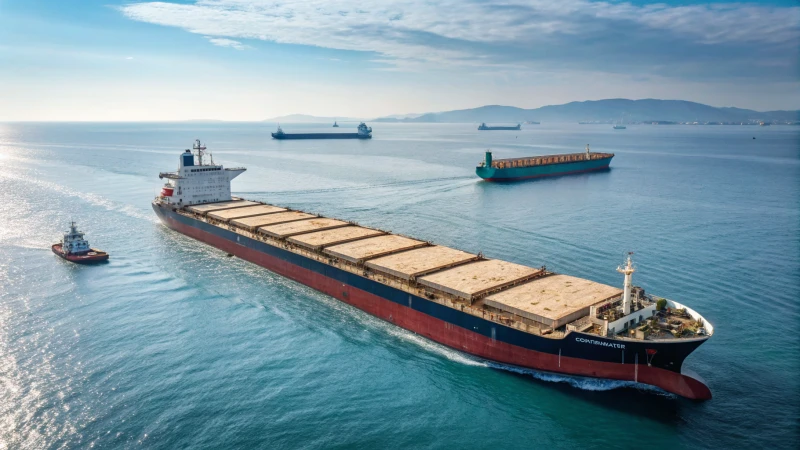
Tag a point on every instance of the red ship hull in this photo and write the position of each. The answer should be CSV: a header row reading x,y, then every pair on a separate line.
x,y
92,256
446,333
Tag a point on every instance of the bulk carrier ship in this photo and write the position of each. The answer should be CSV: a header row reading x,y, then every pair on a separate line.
x,y
522,316
484,127
364,132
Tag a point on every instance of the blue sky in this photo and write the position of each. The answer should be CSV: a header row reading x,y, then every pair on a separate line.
x,y
254,59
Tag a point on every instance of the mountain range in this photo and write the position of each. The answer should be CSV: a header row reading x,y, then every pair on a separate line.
x,y
646,110
305,118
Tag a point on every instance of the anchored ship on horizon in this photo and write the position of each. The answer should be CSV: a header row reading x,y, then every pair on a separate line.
x,y
506,312
484,127
364,132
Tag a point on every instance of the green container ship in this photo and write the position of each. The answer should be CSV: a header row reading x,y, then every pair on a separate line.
x,y
541,166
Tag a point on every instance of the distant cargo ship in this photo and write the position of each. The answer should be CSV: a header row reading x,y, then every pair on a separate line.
x,y
364,132
484,127
541,166
501,311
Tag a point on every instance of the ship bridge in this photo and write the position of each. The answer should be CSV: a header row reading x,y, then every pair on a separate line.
x,y
196,182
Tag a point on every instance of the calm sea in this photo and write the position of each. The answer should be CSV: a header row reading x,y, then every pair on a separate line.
x,y
174,345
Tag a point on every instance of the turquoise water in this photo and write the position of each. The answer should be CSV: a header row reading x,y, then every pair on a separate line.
x,y
172,344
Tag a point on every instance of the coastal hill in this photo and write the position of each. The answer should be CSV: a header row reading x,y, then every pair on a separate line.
x,y
602,111
305,118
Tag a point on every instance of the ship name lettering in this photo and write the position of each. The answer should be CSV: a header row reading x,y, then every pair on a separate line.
x,y
602,343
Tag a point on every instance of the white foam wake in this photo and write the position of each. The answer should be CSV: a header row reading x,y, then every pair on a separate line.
x,y
93,199
434,347
583,383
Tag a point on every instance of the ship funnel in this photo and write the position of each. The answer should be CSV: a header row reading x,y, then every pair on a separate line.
x,y
187,158
627,270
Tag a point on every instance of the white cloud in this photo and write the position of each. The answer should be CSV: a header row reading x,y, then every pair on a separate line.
x,y
129,57
224,42
416,33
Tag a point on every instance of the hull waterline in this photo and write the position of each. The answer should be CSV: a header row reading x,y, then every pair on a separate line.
x,y
287,136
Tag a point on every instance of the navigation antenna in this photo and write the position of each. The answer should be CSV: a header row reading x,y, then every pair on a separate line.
x,y
200,149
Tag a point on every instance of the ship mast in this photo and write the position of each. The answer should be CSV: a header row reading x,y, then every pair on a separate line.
x,y
626,294
200,149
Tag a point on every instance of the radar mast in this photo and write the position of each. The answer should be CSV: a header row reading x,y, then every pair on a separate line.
x,y
200,150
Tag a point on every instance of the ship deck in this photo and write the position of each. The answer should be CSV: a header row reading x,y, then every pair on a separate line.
x,y
413,263
471,280
275,218
554,300
372,247
285,230
532,161
245,211
342,235
219,206
533,300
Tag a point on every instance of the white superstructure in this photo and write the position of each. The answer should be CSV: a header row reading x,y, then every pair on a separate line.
x,y
73,241
195,182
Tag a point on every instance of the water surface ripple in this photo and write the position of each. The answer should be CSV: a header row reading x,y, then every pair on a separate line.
x,y
174,345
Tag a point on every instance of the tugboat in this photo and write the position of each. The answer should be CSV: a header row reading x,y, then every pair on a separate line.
x,y
73,247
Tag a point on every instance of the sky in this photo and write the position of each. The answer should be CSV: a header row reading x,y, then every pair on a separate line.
x,y
119,60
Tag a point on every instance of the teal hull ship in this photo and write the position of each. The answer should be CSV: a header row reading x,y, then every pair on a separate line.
x,y
541,166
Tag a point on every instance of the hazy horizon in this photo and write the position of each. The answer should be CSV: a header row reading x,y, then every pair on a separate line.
x,y
251,60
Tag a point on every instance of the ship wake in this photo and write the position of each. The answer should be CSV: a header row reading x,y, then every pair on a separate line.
x,y
582,383
433,347
88,197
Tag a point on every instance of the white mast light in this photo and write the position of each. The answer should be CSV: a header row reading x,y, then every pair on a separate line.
x,y
626,293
